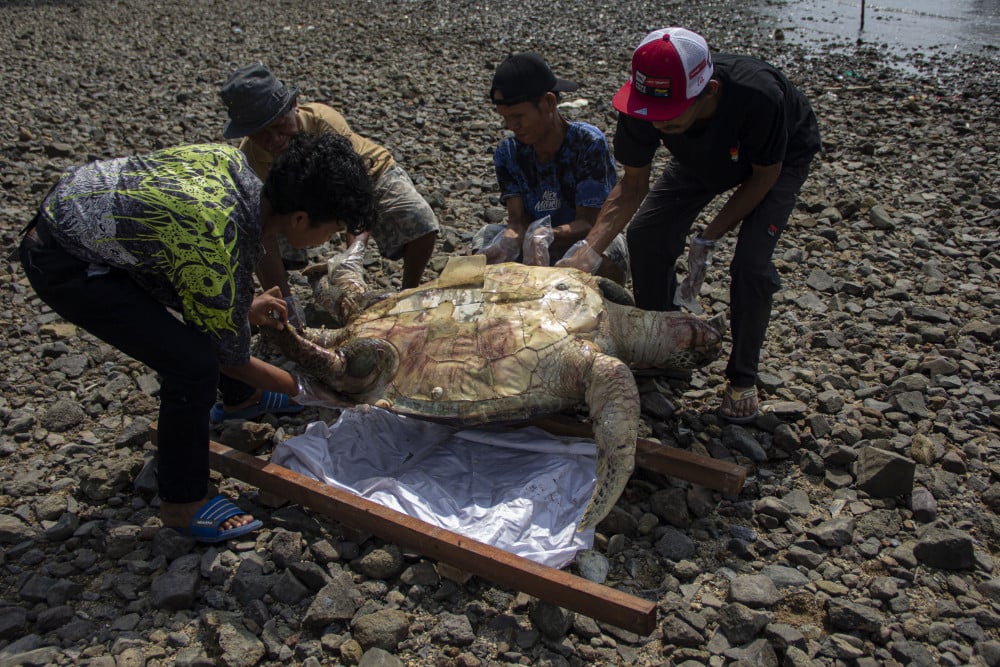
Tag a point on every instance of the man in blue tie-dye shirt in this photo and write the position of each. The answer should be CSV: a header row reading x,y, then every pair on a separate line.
x,y
554,174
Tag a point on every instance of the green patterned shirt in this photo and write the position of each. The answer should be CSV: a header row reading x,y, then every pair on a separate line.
x,y
183,222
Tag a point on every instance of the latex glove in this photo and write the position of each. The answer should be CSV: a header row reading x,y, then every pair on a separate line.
x,y
504,247
355,238
538,238
313,393
699,257
296,314
581,256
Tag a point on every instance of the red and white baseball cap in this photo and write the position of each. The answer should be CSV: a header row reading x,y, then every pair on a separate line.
x,y
670,67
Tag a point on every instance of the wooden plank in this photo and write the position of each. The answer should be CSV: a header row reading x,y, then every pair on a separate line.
x,y
549,584
545,583
711,473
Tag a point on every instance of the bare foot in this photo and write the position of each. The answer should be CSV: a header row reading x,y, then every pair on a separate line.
x,y
179,515
739,405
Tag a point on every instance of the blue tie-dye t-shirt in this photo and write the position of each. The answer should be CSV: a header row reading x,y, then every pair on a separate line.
x,y
582,173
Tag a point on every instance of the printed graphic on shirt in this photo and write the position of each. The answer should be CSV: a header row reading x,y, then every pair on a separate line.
x,y
195,256
165,219
549,201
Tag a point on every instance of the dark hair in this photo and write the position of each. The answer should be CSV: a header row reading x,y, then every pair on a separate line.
x,y
323,176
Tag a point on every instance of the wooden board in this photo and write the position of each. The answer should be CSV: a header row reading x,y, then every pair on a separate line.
x,y
545,583
716,474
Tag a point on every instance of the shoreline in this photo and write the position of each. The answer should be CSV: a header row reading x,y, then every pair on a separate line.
x,y
901,26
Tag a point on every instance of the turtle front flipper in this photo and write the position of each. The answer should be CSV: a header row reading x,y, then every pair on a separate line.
x,y
613,400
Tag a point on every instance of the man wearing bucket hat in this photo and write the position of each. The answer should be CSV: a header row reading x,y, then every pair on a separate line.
x,y
729,122
265,112
554,174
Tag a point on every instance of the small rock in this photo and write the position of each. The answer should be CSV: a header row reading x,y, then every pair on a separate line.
x,y
946,548
884,474
592,565
552,621
753,590
383,629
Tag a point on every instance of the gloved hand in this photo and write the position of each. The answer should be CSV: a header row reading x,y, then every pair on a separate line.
x,y
581,256
361,238
313,393
699,257
503,248
296,314
538,238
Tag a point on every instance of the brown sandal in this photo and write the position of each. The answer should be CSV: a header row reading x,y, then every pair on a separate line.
x,y
731,398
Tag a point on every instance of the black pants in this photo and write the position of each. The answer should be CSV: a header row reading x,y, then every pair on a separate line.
x,y
115,309
657,236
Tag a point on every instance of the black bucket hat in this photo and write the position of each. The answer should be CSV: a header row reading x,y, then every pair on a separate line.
x,y
525,76
254,98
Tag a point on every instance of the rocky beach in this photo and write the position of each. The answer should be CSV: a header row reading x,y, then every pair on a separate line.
x,y
868,530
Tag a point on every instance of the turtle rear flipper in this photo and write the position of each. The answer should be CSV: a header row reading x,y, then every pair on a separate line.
x,y
662,339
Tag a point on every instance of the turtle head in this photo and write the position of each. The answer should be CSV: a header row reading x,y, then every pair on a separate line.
x,y
358,369
369,364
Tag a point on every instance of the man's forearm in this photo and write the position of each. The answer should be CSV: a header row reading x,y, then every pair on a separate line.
x,y
743,200
270,269
615,216
262,375
517,217
622,203
571,232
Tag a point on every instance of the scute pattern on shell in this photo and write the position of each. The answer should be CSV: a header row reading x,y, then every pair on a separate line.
x,y
489,347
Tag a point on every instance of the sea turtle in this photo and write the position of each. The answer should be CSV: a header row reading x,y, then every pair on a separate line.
x,y
504,342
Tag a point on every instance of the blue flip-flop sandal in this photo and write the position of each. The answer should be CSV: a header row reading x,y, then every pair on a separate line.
x,y
204,526
270,402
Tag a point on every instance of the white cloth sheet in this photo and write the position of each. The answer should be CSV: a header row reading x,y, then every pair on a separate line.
x,y
522,490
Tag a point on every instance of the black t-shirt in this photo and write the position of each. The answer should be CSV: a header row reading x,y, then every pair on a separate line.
x,y
761,119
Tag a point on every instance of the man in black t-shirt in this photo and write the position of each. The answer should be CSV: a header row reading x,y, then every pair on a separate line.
x,y
729,122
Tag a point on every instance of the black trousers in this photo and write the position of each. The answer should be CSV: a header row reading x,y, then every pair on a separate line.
x,y
117,310
657,235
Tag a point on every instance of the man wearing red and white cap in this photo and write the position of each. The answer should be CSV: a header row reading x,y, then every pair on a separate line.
x,y
729,122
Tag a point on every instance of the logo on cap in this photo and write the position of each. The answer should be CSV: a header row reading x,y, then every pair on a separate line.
x,y
698,69
653,86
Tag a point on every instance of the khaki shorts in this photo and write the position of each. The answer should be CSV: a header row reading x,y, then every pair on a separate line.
x,y
402,215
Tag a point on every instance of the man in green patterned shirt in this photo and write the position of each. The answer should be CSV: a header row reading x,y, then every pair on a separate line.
x,y
119,246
